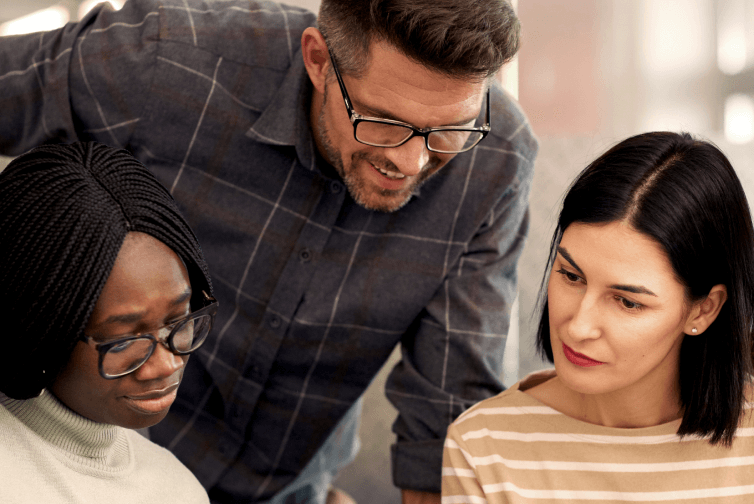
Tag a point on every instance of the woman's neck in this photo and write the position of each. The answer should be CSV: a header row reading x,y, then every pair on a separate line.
x,y
630,408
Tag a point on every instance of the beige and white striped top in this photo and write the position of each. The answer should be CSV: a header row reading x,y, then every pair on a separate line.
x,y
511,448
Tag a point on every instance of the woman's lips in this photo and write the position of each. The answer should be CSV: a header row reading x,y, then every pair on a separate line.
x,y
579,359
155,401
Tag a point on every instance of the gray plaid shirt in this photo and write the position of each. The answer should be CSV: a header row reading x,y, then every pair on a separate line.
x,y
314,290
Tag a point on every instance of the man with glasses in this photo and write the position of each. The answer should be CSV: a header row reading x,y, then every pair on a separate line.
x,y
440,142
355,185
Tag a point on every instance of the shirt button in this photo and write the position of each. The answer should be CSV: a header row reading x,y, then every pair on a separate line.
x,y
275,321
223,448
305,255
336,187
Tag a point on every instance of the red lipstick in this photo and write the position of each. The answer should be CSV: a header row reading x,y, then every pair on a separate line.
x,y
579,359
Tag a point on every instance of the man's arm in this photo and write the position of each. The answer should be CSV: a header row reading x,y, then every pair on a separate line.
x,y
414,497
85,81
452,356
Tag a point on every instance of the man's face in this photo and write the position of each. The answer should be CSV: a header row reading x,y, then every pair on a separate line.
x,y
393,87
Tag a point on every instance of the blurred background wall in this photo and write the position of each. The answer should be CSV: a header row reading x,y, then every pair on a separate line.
x,y
590,73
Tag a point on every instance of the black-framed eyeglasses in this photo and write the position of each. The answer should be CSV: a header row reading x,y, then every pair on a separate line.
x,y
389,133
127,353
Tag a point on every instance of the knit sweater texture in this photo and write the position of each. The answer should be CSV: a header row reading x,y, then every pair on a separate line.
x,y
50,454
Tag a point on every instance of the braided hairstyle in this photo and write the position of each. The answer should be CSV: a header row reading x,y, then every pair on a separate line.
x,y
64,213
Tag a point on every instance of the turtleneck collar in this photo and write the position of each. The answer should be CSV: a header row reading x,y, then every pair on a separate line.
x,y
93,444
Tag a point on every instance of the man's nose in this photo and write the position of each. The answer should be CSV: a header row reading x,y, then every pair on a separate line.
x,y
410,157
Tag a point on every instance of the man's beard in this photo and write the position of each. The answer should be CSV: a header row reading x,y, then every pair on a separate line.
x,y
357,186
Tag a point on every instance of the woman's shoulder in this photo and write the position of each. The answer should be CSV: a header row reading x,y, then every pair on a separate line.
x,y
513,403
155,463
536,379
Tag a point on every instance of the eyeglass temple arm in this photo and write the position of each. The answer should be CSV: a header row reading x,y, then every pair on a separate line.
x,y
487,119
344,91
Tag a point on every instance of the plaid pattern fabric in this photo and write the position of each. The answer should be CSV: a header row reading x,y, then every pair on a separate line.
x,y
314,291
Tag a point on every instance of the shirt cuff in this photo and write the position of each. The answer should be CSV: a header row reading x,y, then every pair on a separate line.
x,y
417,465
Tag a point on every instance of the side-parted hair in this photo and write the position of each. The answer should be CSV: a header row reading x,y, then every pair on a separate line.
x,y
684,194
462,39
64,213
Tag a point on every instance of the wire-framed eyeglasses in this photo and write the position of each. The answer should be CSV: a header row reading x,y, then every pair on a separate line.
x,y
127,353
389,133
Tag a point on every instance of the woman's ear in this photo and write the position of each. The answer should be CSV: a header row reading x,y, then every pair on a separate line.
x,y
316,57
705,312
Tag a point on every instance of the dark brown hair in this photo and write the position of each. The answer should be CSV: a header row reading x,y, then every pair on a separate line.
x,y
463,39
683,194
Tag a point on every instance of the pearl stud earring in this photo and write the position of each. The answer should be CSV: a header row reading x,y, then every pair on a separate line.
x,y
693,330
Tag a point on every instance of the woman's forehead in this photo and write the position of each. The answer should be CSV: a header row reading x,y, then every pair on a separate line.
x,y
618,253
146,274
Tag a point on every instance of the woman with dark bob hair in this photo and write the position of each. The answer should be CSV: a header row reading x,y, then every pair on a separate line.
x,y
104,293
647,312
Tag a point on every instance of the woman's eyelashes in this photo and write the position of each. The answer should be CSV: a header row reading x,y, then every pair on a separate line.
x,y
629,305
572,278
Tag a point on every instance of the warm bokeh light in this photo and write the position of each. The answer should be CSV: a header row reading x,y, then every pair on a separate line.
x,y
731,50
739,119
90,4
731,37
675,46
41,20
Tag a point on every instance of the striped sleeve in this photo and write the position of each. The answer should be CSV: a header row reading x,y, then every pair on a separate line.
x,y
459,481
512,449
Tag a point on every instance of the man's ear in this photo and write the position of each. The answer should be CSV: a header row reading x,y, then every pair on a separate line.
x,y
316,57
705,312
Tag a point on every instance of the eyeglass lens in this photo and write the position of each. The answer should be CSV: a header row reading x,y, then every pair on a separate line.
x,y
130,354
390,135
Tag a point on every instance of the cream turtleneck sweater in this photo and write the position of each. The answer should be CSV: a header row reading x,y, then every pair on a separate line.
x,y
50,454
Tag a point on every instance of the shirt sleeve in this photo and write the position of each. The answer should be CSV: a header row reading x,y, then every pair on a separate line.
x,y
452,356
459,478
85,81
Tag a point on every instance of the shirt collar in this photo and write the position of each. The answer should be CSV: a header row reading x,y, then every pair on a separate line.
x,y
285,121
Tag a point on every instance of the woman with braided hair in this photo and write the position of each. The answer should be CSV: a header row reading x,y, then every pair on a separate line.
x,y
104,293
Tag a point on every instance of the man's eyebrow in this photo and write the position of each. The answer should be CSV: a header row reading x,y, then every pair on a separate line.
x,y
562,251
130,318
379,113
